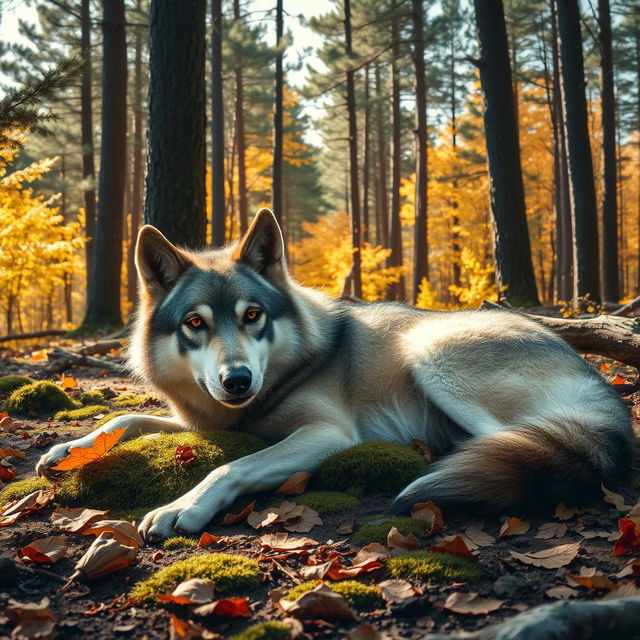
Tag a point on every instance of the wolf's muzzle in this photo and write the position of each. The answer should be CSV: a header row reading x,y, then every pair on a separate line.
x,y
236,380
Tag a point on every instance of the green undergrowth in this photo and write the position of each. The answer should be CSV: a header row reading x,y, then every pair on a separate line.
x,y
21,488
43,398
83,413
91,398
264,631
143,473
357,594
11,383
376,528
233,575
431,565
328,502
179,542
372,467
131,399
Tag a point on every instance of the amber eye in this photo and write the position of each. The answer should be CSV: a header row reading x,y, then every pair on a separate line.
x,y
195,322
251,315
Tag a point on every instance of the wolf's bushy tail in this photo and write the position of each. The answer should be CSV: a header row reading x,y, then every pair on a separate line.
x,y
532,466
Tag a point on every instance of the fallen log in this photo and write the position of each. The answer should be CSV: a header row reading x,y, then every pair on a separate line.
x,y
48,333
100,348
61,360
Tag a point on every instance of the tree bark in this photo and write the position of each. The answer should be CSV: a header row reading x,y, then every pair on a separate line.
x,y
240,137
354,189
421,242
218,213
366,161
383,238
514,267
276,171
103,295
582,188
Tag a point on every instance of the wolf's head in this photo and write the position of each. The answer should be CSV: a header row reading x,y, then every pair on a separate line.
x,y
214,320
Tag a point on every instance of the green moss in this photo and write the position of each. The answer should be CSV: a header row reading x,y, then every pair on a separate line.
x,y
431,565
11,383
179,542
21,488
376,528
357,594
143,472
371,466
328,501
109,416
160,412
131,399
91,397
130,515
264,631
82,413
233,574
44,398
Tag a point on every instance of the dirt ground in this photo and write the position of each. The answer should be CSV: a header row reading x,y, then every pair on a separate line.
x,y
95,611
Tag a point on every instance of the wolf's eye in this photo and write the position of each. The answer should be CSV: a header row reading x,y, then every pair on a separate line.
x,y
195,322
251,315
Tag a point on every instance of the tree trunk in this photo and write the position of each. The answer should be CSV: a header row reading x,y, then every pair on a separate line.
x,y
86,126
67,278
218,213
103,295
353,159
382,163
175,197
514,267
240,137
610,279
453,201
582,188
276,171
421,255
366,164
637,39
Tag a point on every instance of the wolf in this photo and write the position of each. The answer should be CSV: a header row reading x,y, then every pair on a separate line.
x,y
233,342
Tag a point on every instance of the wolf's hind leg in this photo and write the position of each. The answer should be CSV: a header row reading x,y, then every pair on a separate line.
x,y
136,425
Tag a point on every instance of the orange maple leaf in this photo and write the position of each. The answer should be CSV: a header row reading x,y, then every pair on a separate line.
x,y
618,380
80,456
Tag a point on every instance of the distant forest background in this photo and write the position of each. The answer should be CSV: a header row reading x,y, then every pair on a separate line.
x,y
462,151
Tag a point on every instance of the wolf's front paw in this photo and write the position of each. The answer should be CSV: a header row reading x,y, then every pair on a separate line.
x,y
52,457
183,515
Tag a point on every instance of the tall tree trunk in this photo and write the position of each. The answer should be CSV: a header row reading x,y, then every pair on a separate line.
x,y
582,188
276,171
218,213
637,39
67,277
86,136
137,176
382,164
240,137
397,291
366,163
421,243
610,279
353,159
103,295
455,220
175,196
514,267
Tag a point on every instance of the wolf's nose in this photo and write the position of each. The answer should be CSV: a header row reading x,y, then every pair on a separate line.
x,y
236,380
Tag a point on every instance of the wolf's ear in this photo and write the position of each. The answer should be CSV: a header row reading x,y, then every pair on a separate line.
x,y
158,262
262,247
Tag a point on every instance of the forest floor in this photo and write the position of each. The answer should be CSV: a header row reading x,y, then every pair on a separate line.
x,y
101,609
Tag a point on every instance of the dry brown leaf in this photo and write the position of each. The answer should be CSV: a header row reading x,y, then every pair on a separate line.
x,y
74,520
598,534
346,527
284,542
632,568
623,589
399,544
194,591
552,558
124,532
295,485
561,592
373,552
565,513
234,518
470,604
44,550
297,518
13,510
478,537
366,631
32,620
10,452
397,591
430,515
187,630
590,578
635,511
320,602
261,519
455,545
615,499
551,530
513,527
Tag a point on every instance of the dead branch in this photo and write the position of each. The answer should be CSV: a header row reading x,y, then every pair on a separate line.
x,y
616,618
626,309
63,360
100,348
34,334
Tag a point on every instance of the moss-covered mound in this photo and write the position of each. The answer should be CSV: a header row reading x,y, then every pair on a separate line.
x,y
376,528
371,466
11,383
43,398
82,413
431,565
357,594
179,542
91,397
233,574
131,399
326,502
144,473
21,488
264,631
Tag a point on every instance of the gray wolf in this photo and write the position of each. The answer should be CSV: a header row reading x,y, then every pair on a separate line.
x,y
232,342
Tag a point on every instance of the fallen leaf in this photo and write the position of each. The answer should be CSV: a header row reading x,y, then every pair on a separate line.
x,y
346,527
69,382
234,518
185,455
297,518
396,591
81,456
226,607
295,485
207,539
615,499
320,602
44,550
39,355
430,515
565,513
632,568
9,452
478,537
187,630
455,545
605,367
7,471
284,542
591,579
513,527
561,592
551,530
427,452
552,558
121,530
366,631
623,589
44,439
261,519
470,604
618,379
598,534
13,510
32,620
74,520
194,591
399,543
373,552
629,540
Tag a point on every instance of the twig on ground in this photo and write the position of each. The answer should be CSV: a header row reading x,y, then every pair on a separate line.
x,y
63,360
